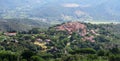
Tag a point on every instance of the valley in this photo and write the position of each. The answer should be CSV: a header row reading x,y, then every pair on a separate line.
x,y
64,42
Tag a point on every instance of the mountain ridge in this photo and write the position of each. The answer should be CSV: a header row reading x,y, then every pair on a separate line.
x,y
106,10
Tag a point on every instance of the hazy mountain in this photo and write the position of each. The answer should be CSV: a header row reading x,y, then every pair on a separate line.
x,y
61,10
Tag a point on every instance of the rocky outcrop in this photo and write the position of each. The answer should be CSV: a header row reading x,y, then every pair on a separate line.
x,y
80,28
73,27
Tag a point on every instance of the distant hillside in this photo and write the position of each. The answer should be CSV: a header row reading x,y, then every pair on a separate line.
x,y
61,10
21,24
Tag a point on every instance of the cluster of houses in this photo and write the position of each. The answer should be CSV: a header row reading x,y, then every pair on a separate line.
x,y
42,43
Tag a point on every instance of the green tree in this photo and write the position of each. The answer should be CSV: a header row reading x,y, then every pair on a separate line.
x,y
27,55
101,53
7,55
87,51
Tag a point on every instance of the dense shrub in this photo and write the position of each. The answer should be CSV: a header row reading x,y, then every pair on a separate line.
x,y
114,58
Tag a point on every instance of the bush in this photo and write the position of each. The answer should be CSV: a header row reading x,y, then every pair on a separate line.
x,y
101,53
92,57
86,51
27,54
114,58
37,58
8,56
